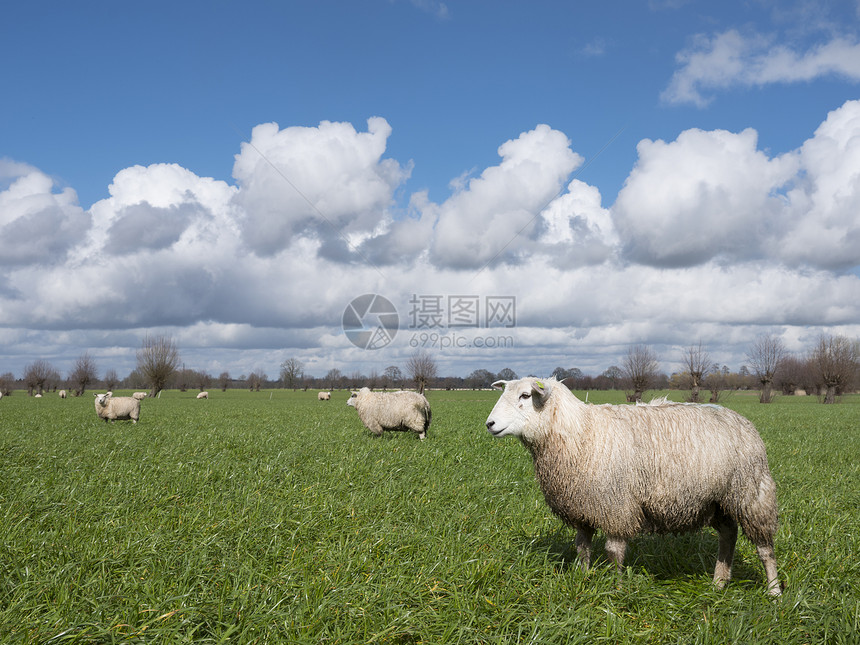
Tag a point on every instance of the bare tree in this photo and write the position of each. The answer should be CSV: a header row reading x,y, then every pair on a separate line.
x,y
480,379
224,380
698,363
835,361
111,379
83,373
613,374
333,378
291,371
36,374
203,378
422,369
255,380
640,369
392,376
717,381
157,359
765,355
7,383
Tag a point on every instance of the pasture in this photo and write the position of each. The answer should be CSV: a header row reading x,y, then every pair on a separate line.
x,y
272,517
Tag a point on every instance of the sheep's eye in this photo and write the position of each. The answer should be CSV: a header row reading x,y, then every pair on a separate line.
x,y
526,395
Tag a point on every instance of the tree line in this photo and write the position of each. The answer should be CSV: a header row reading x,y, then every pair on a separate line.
x,y
829,369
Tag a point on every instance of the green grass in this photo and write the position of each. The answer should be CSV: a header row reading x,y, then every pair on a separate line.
x,y
271,517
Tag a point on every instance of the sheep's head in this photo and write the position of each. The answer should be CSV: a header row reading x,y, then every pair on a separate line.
x,y
101,399
351,399
517,410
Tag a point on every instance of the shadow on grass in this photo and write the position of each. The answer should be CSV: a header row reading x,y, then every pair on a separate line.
x,y
663,557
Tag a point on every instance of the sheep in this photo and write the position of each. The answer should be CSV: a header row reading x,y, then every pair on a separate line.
x,y
661,468
381,411
117,407
323,396
203,395
62,394
140,396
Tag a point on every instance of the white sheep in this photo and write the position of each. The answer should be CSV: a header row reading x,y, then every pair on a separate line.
x,y
659,468
140,396
62,394
111,408
203,395
380,411
323,396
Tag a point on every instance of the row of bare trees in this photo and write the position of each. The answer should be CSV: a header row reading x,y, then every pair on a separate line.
x,y
830,368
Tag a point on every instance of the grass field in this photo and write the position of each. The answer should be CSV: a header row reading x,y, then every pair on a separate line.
x,y
271,517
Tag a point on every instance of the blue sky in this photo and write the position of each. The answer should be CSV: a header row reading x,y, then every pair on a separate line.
x,y
423,148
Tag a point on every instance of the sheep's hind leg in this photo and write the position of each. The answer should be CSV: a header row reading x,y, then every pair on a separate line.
x,y
765,553
583,545
728,531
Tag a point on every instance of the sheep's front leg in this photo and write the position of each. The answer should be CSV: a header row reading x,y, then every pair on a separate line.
x,y
583,545
616,547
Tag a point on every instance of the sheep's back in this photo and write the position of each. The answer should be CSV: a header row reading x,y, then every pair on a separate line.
x,y
392,410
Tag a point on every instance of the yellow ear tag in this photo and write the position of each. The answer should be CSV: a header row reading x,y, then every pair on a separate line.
x,y
539,384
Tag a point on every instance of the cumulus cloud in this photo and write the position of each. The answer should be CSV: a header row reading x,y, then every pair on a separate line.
x,y
238,271
732,59
824,213
703,196
330,181
493,217
38,223
715,196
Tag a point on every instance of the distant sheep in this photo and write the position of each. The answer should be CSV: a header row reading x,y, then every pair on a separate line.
x,y
111,408
62,394
203,395
140,396
380,411
323,396
659,468
38,396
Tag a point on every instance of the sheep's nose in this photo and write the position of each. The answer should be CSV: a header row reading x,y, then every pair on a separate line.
x,y
490,424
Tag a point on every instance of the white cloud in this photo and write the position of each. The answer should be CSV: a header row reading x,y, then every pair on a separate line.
x,y
492,218
710,238
330,181
731,59
824,216
705,195
38,225
715,196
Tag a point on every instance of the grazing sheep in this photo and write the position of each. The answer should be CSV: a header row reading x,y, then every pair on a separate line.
x,y
37,396
203,395
62,394
323,396
140,396
381,411
117,407
661,468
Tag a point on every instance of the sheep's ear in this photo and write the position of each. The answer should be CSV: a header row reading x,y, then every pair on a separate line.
x,y
540,389
500,385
